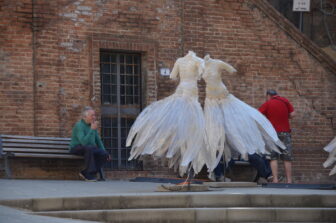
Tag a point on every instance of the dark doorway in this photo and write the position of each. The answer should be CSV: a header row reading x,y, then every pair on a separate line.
x,y
121,103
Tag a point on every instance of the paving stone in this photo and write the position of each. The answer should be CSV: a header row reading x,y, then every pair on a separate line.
x,y
230,184
182,188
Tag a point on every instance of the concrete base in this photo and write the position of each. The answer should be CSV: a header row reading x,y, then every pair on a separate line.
x,y
202,215
11,215
230,184
182,188
121,201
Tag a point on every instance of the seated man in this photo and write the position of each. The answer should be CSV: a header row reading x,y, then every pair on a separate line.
x,y
219,171
85,141
264,172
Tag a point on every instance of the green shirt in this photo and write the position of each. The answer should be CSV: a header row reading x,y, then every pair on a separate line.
x,y
82,134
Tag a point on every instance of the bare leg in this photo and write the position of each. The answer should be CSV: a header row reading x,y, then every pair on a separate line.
x,y
274,167
288,169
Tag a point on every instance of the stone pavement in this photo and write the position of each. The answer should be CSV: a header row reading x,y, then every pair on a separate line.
x,y
19,189
24,189
16,189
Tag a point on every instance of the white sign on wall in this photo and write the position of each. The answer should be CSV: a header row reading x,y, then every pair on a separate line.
x,y
164,71
301,5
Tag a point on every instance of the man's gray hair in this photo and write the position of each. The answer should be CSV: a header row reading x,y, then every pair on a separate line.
x,y
85,111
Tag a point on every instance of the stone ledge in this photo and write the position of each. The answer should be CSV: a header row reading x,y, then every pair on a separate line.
x,y
202,215
175,200
182,188
230,184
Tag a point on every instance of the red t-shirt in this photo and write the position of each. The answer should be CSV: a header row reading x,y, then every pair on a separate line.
x,y
277,110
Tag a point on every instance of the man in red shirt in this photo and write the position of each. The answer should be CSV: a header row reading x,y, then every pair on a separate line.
x,y
279,110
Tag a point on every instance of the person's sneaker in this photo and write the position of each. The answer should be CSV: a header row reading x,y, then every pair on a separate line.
x,y
270,178
91,179
281,178
227,179
261,181
82,175
221,178
86,178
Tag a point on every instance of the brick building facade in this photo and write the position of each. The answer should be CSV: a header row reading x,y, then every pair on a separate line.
x,y
50,62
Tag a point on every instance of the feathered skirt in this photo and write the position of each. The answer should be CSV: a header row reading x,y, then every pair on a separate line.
x,y
331,149
172,128
232,124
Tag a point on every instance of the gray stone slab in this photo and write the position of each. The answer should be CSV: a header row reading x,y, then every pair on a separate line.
x,y
203,215
250,214
303,214
261,200
216,215
157,215
87,203
182,188
154,201
230,184
219,200
169,201
52,204
78,195
22,189
88,215
18,203
11,215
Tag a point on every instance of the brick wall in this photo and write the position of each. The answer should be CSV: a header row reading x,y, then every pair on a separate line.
x,y
16,77
49,62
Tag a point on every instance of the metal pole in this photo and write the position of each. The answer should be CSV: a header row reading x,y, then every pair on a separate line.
x,y
301,22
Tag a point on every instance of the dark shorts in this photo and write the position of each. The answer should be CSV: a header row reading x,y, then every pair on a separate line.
x,y
286,154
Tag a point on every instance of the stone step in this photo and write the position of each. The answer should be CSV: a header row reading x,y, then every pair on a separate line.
x,y
175,200
230,184
122,174
185,215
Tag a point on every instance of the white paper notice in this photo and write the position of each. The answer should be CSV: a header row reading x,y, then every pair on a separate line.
x,y
301,5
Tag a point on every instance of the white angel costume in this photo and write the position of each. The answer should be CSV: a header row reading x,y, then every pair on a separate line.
x,y
331,149
231,123
174,127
